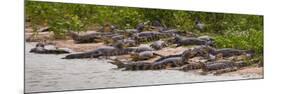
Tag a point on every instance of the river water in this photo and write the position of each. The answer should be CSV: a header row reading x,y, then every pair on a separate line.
x,y
45,73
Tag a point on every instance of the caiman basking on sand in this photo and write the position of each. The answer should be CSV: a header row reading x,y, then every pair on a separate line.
x,y
126,42
40,49
102,51
95,37
180,41
208,51
145,55
140,49
158,45
222,66
201,51
114,50
191,66
88,38
164,62
228,52
143,37
176,32
143,65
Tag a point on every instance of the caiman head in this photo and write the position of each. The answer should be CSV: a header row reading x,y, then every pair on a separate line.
x,y
209,49
209,40
186,55
40,44
117,62
38,47
120,45
140,27
96,54
203,51
37,50
177,39
72,35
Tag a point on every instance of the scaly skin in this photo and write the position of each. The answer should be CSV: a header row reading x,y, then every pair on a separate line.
x,y
127,42
96,37
191,41
222,71
142,65
222,64
47,51
228,52
89,38
103,51
145,55
181,60
169,56
168,61
202,51
108,51
176,32
150,36
191,66
140,27
158,45
39,49
140,49
218,67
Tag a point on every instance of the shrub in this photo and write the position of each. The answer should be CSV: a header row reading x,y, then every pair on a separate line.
x,y
231,30
248,40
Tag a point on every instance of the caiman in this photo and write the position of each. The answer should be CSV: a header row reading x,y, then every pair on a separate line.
x,y
180,41
158,45
102,51
40,49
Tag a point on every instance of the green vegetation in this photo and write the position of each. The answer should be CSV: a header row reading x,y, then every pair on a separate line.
x,y
251,40
230,30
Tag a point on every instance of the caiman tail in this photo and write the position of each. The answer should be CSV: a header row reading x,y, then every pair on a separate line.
x,y
77,56
57,51
158,54
165,57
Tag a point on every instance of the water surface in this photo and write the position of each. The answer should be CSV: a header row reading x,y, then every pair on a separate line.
x,y
51,73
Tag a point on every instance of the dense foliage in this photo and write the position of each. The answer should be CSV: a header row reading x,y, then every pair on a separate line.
x,y
230,30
